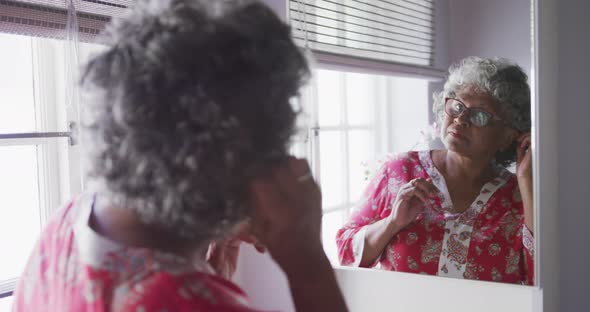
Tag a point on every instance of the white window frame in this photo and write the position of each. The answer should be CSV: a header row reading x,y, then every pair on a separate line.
x,y
343,128
58,155
383,143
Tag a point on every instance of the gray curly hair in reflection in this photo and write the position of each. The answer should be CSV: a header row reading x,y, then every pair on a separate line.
x,y
505,81
186,105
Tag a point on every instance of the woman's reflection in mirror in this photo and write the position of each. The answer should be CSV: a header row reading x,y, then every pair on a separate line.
x,y
457,212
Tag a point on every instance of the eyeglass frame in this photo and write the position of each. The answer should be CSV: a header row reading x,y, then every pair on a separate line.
x,y
467,109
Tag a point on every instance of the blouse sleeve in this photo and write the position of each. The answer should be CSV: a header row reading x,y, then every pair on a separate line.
x,y
528,242
378,200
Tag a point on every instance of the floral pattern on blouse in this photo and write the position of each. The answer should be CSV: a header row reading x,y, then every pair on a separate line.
x,y
489,241
74,269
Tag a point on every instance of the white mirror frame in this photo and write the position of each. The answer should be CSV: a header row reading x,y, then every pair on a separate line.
x,y
545,154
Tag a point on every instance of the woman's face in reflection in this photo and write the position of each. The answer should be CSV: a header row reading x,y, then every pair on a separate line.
x,y
460,135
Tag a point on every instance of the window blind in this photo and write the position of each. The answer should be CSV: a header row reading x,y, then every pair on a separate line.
x,y
49,18
398,31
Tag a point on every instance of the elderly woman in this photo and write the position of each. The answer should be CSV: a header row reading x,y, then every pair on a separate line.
x,y
187,135
457,212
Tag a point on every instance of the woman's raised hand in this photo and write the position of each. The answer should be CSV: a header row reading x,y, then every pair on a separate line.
x,y
524,161
411,199
223,254
287,212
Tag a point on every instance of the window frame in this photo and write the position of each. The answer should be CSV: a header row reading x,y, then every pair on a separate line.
x,y
58,155
383,112
343,128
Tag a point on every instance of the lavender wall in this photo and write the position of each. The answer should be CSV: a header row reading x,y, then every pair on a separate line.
x,y
490,28
573,110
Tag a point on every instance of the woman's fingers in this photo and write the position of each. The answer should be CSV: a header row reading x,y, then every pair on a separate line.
x,y
285,203
294,181
524,142
308,188
420,194
409,191
524,160
522,154
264,199
523,137
223,257
523,148
243,233
425,185
260,248
250,239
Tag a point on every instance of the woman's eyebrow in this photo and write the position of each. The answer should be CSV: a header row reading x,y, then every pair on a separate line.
x,y
478,104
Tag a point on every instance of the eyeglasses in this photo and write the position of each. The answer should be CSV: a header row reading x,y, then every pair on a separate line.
x,y
477,116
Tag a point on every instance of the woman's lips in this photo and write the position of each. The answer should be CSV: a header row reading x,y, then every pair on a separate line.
x,y
457,135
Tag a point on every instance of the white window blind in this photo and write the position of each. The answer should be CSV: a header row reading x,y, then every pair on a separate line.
x,y
49,18
398,31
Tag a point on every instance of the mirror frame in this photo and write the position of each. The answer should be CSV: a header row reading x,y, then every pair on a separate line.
x,y
544,296
545,155
544,129
375,289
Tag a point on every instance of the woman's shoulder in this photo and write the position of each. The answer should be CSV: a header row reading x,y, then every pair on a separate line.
x,y
506,192
510,183
404,159
196,291
508,178
404,165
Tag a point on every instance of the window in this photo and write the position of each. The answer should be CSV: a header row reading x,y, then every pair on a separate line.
x,y
38,114
5,304
361,106
355,120
39,172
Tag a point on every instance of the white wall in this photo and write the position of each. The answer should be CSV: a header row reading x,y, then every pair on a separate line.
x,y
573,107
442,42
442,36
263,281
485,28
490,28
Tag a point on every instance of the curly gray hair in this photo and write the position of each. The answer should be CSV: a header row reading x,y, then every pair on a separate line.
x,y
188,103
505,81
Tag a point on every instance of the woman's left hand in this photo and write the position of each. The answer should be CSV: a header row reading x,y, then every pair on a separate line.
x,y
524,161
223,255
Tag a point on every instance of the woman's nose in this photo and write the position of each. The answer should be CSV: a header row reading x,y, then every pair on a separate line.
x,y
463,118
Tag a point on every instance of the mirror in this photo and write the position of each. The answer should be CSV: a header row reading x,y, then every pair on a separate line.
x,y
363,117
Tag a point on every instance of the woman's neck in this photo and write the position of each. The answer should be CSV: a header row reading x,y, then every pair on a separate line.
x,y
455,167
124,227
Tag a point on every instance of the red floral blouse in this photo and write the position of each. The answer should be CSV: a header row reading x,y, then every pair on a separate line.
x,y
488,241
74,269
